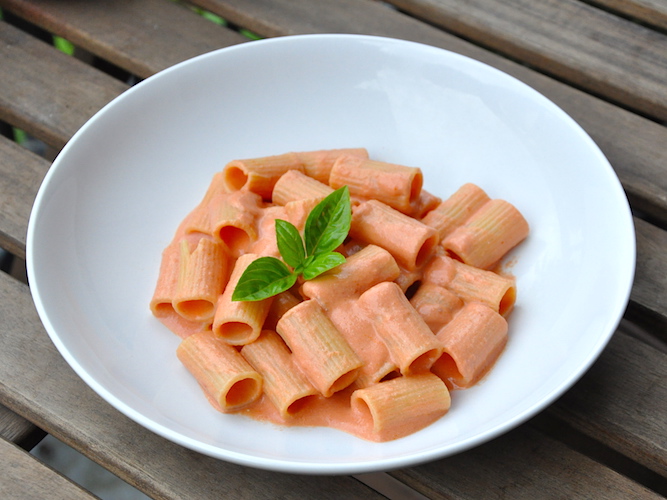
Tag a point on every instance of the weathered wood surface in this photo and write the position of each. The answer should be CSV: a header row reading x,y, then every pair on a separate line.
x,y
21,173
23,476
137,36
622,402
619,403
527,461
649,12
572,40
18,430
45,92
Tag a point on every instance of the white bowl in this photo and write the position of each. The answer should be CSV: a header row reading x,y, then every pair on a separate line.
x,y
117,191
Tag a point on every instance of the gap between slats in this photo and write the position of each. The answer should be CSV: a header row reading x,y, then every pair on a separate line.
x,y
652,13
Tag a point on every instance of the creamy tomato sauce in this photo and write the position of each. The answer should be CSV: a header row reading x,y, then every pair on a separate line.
x,y
338,296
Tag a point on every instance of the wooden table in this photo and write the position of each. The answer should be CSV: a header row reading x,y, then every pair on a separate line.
x,y
603,61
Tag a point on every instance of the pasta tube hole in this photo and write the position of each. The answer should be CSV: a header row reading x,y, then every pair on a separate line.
x,y
235,177
163,309
195,309
416,187
445,368
343,381
299,405
426,250
235,332
242,392
362,407
234,237
507,302
424,362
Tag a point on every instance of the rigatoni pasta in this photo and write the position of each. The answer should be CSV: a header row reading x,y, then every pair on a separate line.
x,y
284,383
487,235
373,346
472,342
239,323
226,377
319,348
398,186
408,240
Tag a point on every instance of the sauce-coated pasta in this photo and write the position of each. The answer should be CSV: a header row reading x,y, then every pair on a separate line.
x,y
373,347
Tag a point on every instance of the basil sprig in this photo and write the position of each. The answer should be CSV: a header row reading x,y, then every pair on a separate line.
x,y
326,228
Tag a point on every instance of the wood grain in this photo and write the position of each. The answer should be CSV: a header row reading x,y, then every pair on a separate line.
x,y
649,12
21,173
626,139
587,47
18,430
143,37
25,477
521,464
648,293
622,402
45,92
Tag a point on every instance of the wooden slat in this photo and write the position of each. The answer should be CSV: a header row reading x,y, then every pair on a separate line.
x,y
26,478
622,402
21,173
45,92
576,42
143,37
18,430
521,464
626,139
63,405
649,294
650,12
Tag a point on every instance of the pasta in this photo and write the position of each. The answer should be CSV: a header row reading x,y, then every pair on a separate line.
x,y
225,376
319,348
375,346
284,384
239,323
472,342
407,239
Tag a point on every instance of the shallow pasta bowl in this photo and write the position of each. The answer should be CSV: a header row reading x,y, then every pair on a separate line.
x,y
114,196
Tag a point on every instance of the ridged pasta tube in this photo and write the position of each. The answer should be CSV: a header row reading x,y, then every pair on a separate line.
x,y
472,342
487,235
237,322
402,405
226,377
284,384
319,348
409,340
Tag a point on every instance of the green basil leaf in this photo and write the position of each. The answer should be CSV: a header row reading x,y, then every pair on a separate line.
x,y
328,223
322,263
263,278
290,243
